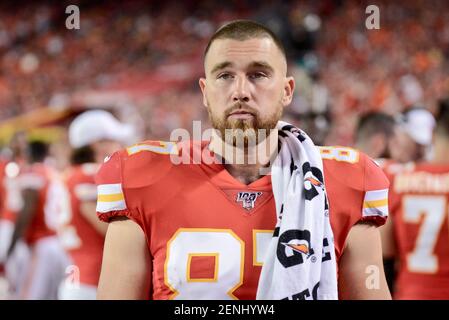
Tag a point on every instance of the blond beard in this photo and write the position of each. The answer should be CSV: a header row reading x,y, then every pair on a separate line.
x,y
244,132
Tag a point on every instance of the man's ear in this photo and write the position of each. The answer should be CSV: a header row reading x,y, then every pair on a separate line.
x,y
289,88
202,83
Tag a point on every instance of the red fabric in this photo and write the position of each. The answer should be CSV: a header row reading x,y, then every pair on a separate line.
x,y
422,230
2,188
38,227
87,255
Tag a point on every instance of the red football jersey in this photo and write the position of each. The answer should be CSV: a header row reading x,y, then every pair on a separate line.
x,y
84,243
11,198
206,231
39,177
2,187
419,207
52,204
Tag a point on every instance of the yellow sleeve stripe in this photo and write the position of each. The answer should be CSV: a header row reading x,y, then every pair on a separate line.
x,y
110,197
375,204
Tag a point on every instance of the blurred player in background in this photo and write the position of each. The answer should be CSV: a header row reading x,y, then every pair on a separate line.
x,y
44,201
6,228
417,235
93,135
374,133
11,203
162,214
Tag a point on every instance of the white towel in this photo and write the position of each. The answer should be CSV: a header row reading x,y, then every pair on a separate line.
x,y
300,260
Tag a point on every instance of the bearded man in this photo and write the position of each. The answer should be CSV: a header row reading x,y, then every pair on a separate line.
x,y
225,229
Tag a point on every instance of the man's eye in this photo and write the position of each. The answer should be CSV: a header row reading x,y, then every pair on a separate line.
x,y
224,76
257,75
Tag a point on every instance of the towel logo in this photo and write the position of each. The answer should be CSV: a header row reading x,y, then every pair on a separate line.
x,y
313,180
300,247
299,243
248,199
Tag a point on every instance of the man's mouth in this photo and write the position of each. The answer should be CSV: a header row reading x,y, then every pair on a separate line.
x,y
241,114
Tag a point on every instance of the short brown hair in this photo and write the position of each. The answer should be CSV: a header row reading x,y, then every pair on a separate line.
x,y
244,30
372,123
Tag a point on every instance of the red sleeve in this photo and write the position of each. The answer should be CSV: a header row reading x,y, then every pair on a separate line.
x,y
111,191
376,184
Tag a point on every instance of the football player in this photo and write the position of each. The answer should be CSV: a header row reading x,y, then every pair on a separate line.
x,y
373,134
11,204
201,231
417,233
5,225
11,160
94,135
44,202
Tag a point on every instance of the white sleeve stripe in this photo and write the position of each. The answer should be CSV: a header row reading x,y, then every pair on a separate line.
x,y
110,206
105,189
379,211
374,195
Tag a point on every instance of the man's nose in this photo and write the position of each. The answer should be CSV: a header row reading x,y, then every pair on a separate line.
x,y
241,90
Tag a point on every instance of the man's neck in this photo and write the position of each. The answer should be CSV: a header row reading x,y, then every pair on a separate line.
x,y
249,163
441,151
246,174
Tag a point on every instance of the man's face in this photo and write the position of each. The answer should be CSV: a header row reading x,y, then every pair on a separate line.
x,y
403,148
246,85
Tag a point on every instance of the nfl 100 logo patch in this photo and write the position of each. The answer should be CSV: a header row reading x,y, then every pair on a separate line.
x,y
248,198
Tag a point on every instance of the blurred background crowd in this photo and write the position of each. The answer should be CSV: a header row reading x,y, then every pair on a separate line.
x,y
148,55
140,60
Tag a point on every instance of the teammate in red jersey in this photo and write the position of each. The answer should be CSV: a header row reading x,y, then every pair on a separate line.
x,y
4,224
11,204
200,231
44,202
419,197
376,134
94,135
3,239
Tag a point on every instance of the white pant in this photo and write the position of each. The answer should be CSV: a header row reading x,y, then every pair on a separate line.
x,y
44,270
16,268
4,288
6,231
69,291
